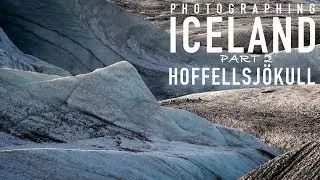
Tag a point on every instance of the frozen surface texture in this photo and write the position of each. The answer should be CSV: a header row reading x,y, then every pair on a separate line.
x,y
107,124
12,57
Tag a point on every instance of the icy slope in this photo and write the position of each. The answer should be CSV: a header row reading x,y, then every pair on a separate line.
x,y
12,57
112,112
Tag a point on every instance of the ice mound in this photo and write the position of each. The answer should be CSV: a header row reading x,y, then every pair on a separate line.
x,y
107,124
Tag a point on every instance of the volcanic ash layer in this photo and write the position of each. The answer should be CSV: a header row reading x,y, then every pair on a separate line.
x,y
297,164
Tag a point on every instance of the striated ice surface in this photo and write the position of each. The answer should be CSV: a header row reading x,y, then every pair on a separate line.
x,y
12,57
